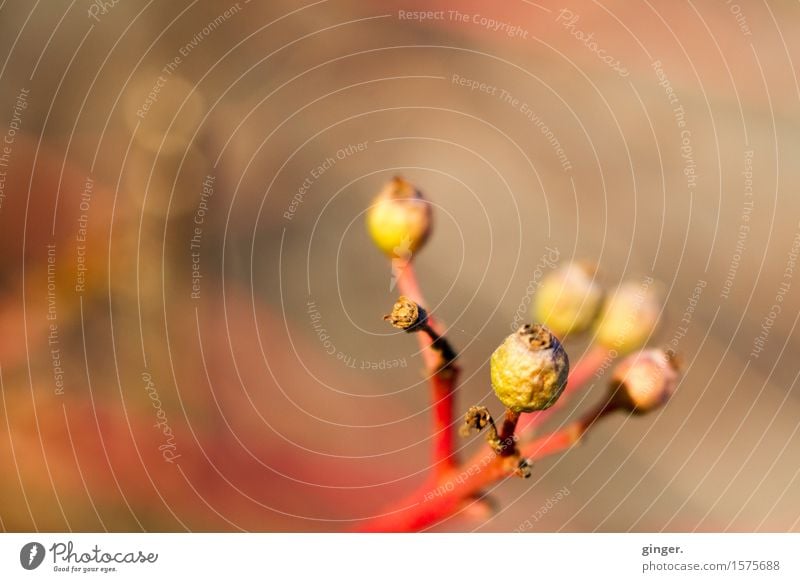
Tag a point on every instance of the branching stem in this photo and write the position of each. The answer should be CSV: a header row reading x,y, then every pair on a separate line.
x,y
441,368
442,497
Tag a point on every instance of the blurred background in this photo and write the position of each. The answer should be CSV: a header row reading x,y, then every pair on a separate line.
x,y
191,332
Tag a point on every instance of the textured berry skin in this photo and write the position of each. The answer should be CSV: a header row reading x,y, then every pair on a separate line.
x,y
569,299
529,370
629,317
645,380
400,219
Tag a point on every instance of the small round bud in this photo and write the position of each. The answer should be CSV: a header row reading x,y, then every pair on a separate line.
x,y
629,317
406,315
400,219
645,380
529,370
569,299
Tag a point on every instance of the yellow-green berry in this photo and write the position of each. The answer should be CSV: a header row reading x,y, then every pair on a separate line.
x,y
569,299
400,219
645,380
529,370
629,317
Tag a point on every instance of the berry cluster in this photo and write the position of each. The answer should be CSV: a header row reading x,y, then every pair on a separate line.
x,y
530,369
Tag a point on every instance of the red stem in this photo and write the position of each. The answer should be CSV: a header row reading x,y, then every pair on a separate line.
x,y
506,435
579,376
443,410
442,381
442,497
568,436
444,494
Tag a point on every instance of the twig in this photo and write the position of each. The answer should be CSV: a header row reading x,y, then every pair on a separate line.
x,y
508,443
569,435
442,497
439,358
579,377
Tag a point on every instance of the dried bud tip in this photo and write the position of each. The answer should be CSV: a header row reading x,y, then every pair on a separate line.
x,y
406,315
476,419
400,188
538,337
517,466
523,469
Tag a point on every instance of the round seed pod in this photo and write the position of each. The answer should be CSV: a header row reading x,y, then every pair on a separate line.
x,y
400,219
645,380
629,317
569,299
529,370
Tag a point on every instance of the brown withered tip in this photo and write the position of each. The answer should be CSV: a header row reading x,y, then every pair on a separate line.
x,y
401,189
476,419
406,315
537,336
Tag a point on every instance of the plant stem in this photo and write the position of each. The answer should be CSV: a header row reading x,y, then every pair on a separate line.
x,y
508,444
440,498
440,344
439,358
579,377
569,435
451,484
443,431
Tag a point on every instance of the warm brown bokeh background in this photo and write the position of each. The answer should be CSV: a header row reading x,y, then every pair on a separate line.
x,y
273,432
